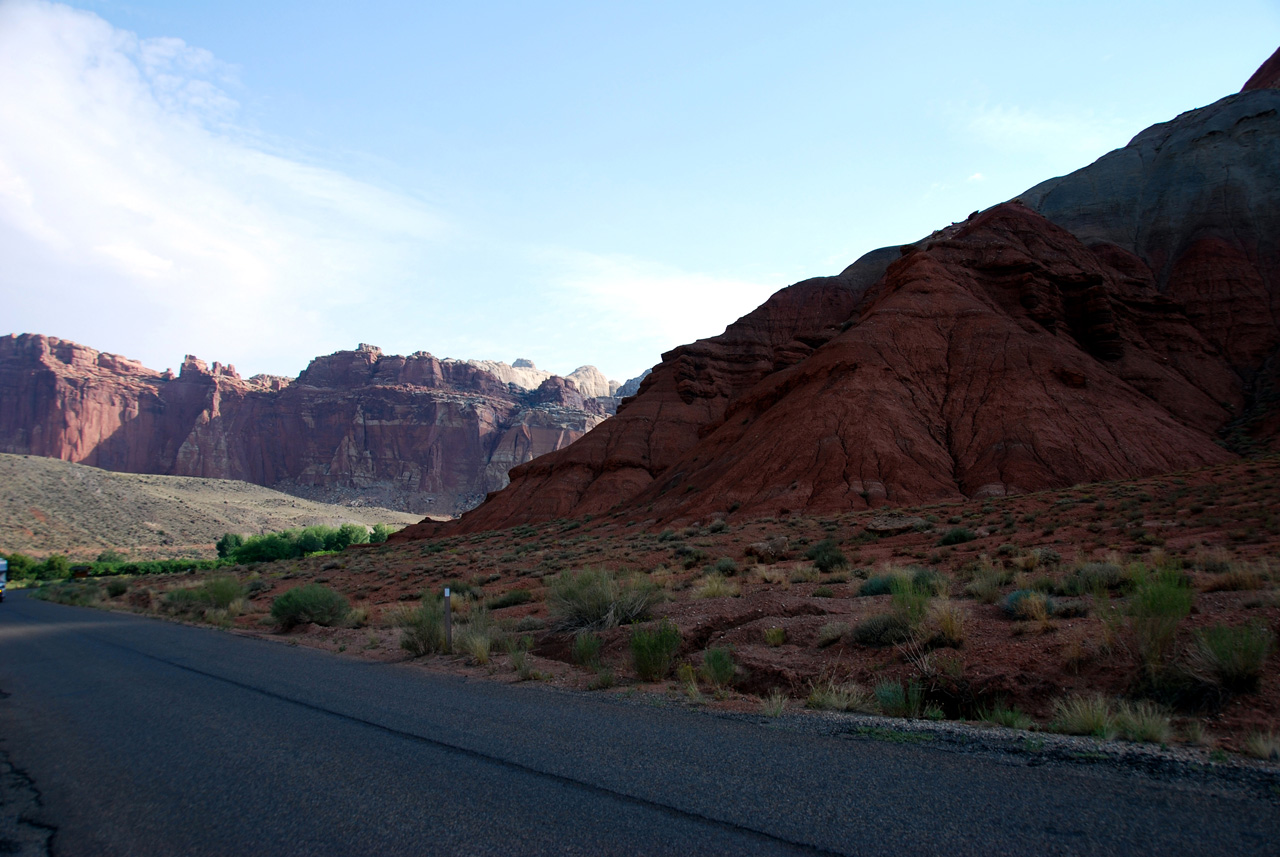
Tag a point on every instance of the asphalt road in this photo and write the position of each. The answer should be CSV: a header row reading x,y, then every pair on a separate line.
x,y
139,737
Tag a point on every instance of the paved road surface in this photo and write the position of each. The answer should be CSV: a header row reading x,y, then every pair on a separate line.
x,y
144,737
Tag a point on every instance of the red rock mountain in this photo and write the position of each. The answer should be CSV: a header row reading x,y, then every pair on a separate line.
x,y
415,433
1117,322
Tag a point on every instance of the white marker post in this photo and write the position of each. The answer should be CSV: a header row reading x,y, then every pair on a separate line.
x,y
448,623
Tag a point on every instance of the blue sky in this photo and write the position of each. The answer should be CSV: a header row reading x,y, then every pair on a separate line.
x,y
259,183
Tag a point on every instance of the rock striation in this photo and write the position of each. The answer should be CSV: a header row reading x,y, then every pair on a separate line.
x,y
1118,322
415,433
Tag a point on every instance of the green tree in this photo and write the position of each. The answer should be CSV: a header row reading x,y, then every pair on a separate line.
x,y
380,534
351,534
110,556
21,566
56,567
229,544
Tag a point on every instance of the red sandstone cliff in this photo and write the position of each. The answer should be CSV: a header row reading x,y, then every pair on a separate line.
x,y
415,432
1121,323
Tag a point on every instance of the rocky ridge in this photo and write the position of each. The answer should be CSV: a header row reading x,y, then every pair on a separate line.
x,y
1117,322
413,433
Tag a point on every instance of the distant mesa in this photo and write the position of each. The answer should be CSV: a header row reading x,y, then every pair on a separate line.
x,y
413,433
1117,322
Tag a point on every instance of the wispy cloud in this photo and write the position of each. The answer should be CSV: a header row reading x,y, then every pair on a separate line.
x,y
127,188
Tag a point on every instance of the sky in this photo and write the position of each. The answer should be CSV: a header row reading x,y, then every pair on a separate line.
x,y
259,183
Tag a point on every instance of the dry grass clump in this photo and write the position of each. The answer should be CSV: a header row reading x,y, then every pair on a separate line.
x,y
775,636
987,584
1263,745
1084,715
595,599
1143,721
831,633
831,695
716,585
1232,657
1238,578
774,704
948,620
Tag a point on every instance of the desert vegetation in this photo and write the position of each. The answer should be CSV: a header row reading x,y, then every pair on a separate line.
x,y
1057,615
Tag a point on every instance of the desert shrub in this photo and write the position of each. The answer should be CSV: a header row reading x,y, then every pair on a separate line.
x,y
1238,578
595,599
830,695
826,556
774,703
1010,718
184,602
775,636
586,649
311,603
957,536
987,583
1092,577
716,586
881,584
222,592
718,667
1232,657
116,588
831,633
1027,604
513,598
422,629
898,700
74,594
654,649
1143,721
726,566
884,629
1084,715
1156,608
949,619
910,601
929,580
717,526
477,635
1263,745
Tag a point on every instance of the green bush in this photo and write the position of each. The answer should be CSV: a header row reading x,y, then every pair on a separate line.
x,y
881,584
183,602
595,599
910,601
898,700
726,566
422,632
116,588
1232,657
311,603
75,594
1156,609
222,591
55,567
586,649
110,557
381,532
826,556
654,649
718,667
929,580
1027,604
957,536
884,629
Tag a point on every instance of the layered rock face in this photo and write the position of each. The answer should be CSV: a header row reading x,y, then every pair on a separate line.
x,y
1113,323
416,433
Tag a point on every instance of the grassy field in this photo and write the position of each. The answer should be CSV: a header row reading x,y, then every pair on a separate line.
x,y
50,506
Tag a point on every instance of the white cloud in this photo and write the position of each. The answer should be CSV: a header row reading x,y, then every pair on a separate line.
x,y
131,200
977,177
